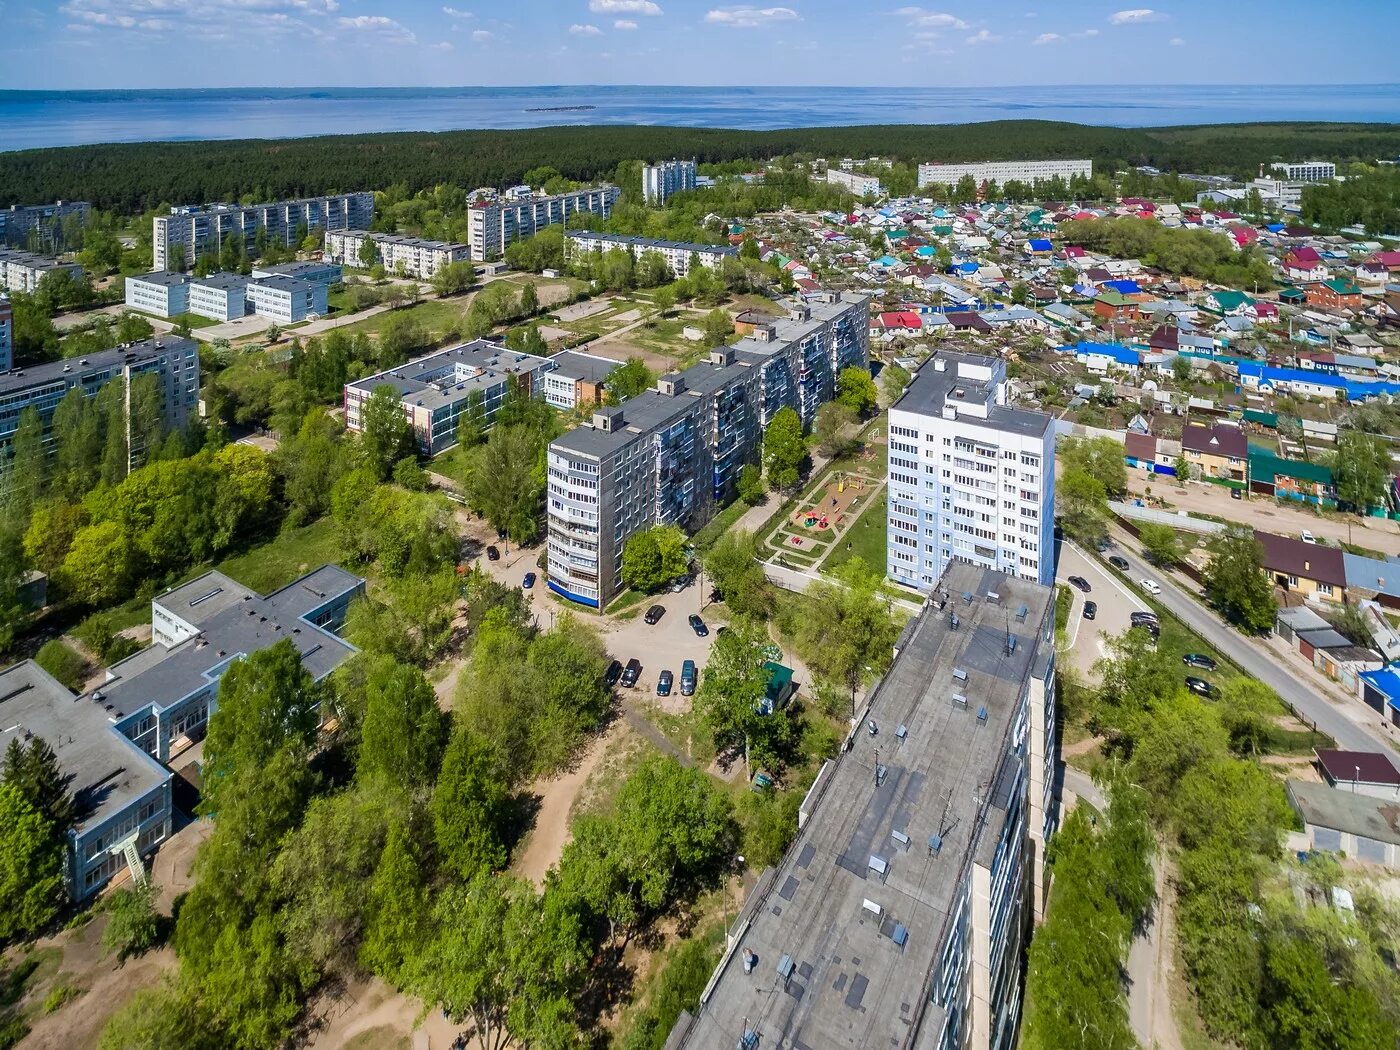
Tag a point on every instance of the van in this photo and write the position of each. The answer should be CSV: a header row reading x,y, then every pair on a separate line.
x,y
688,678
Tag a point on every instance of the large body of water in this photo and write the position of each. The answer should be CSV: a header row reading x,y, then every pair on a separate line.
x,y
30,119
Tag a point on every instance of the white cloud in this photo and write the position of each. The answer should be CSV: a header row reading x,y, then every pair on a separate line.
x,y
378,25
984,36
624,23
750,17
922,18
452,12
1135,15
1060,38
443,46
1176,41
1047,38
585,30
482,35
1088,32
623,7
205,20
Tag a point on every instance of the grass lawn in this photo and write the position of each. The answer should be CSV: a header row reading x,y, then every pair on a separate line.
x,y
717,526
292,553
865,539
194,321
436,315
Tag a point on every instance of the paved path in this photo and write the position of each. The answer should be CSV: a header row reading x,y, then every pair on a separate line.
x,y
800,580
1353,725
1114,600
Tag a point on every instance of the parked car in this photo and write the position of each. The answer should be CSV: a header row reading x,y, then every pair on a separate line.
x,y
1150,586
654,613
663,683
1118,562
1103,544
631,673
688,678
1091,610
1081,583
698,626
680,584
528,581
493,553
1236,494
1200,661
1143,617
613,673
1199,686
1307,537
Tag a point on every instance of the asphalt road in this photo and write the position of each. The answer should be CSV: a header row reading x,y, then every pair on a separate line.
x,y
1256,661
1116,603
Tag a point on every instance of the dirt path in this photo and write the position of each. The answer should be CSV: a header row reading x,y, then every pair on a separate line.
x,y
550,835
1150,957
384,1017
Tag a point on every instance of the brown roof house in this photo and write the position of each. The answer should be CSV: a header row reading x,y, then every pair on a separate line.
x,y
1219,451
1306,569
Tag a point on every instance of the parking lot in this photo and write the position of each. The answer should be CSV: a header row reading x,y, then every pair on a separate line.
x,y
1116,603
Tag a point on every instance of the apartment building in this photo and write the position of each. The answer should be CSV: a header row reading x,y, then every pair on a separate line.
x,y
41,225
22,271
900,914
856,183
971,478
576,380
436,390
172,360
495,223
220,296
327,274
679,255
659,181
1307,171
413,256
286,300
7,335
191,230
161,293
669,455
121,794
1004,171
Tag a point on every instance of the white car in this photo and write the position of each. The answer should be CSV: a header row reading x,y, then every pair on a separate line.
x,y
1150,586
1307,537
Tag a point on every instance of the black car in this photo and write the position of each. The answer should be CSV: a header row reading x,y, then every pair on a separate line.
x,y
654,613
631,673
1199,661
698,626
663,683
1081,583
1144,617
1091,610
688,678
1199,686
613,673
493,554
1118,562
1236,494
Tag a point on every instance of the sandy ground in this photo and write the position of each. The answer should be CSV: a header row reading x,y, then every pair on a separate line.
x,y
578,311
372,1006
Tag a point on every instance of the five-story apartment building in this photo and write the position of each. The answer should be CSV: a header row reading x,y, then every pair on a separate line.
x,y
493,224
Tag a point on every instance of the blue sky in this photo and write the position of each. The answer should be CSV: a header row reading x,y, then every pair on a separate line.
x,y
225,43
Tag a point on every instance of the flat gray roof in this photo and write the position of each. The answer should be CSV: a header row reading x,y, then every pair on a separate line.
x,y
17,379
412,242
852,984
295,269
223,281
1327,807
650,242
283,284
931,388
787,329
162,277
105,772
575,365
431,382
236,622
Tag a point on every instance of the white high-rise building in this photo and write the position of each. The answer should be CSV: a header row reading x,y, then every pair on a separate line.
x,y
178,239
971,478
493,224
1307,171
1004,171
659,181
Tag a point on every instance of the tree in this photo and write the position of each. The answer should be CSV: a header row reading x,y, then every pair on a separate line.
x,y
856,390
1181,370
628,380
1362,468
732,690
27,467
750,486
719,328
529,300
368,253
1081,505
398,907
385,436
653,558
402,738
1161,544
55,657
1235,581
849,635
1101,458
469,806
830,430
734,569
132,923
36,772
471,424
507,482
1183,470
1247,711
31,866
164,1017
893,381
784,451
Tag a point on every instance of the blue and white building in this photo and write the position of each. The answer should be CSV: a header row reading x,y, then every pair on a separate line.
x,y
220,296
971,478
286,300
659,181
162,293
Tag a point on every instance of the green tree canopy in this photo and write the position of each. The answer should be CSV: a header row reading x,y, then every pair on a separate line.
x,y
654,557
1235,581
784,451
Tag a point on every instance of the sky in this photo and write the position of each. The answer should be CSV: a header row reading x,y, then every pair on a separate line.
x,y
384,43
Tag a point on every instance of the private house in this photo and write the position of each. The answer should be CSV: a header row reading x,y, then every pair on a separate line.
x,y
1381,692
1272,475
1228,304
1359,826
1308,570
1102,358
1360,772
1379,269
1115,306
1217,452
899,323
1149,454
1373,579
1336,294
1304,265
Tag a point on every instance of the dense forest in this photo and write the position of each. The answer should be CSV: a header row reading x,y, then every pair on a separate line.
x,y
132,177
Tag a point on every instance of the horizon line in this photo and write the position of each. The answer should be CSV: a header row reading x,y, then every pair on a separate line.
x,y
709,87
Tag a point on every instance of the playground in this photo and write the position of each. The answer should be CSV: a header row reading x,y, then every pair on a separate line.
x,y
823,515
